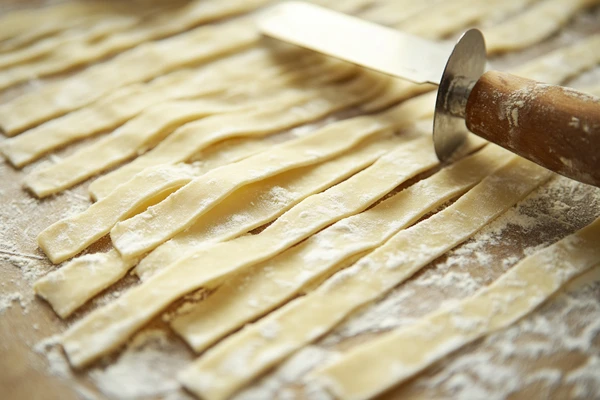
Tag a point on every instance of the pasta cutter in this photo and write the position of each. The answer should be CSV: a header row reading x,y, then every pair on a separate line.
x,y
553,126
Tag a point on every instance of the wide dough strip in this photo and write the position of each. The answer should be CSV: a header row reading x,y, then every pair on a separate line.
x,y
145,231
141,63
396,356
160,25
245,209
107,327
264,287
244,114
308,318
127,102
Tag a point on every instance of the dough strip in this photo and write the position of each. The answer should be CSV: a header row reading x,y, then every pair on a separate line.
x,y
397,355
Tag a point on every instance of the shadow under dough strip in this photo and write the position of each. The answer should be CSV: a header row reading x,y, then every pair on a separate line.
x,y
245,209
141,63
307,318
109,326
398,355
266,286
192,137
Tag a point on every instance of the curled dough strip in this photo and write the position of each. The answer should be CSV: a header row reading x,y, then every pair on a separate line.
x,y
192,137
125,103
160,25
141,63
263,288
142,233
308,318
396,356
207,267
245,209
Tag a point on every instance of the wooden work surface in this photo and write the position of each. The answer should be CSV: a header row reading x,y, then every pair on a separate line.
x,y
28,371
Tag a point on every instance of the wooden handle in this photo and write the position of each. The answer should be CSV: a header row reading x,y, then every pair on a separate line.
x,y
553,126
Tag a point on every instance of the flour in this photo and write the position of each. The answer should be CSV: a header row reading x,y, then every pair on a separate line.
x,y
147,368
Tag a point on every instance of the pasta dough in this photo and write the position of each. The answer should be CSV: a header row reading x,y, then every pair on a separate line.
x,y
245,209
192,137
264,287
152,126
256,204
400,354
107,327
516,33
147,230
139,64
160,25
125,103
234,362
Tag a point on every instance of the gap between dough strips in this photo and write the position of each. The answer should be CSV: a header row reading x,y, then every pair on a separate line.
x,y
252,116
85,341
305,319
397,355
245,209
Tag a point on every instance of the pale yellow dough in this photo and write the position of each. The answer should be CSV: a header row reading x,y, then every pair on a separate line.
x,y
268,117
273,282
144,232
109,326
152,126
256,204
248,207
139,64
400,354
125,103
228,366
161,24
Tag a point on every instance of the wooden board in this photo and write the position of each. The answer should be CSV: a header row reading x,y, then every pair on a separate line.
x,y
27,373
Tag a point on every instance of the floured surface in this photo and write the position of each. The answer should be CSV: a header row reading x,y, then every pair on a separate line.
x,y
555,355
